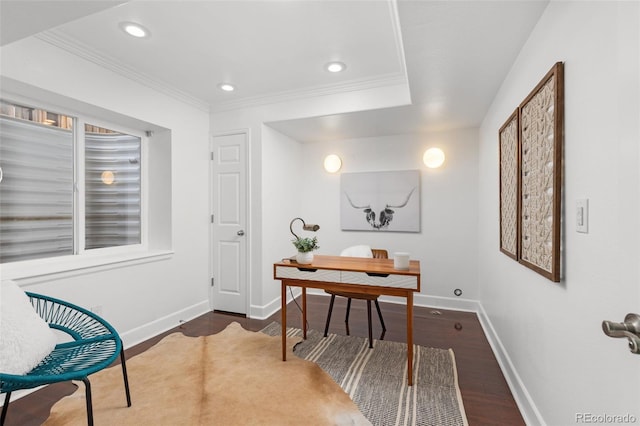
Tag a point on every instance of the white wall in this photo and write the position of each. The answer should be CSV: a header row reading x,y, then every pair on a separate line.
x,y
139,299
288,181
282,167
560,359
562,363
446,245
273,201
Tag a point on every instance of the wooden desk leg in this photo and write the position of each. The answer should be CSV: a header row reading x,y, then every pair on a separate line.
x,y
304,313
410,337
283,319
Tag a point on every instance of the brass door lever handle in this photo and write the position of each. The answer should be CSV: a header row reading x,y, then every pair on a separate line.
x,y
630,329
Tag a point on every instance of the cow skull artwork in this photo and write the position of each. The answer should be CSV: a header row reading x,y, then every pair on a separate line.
x,y
386,214
390,201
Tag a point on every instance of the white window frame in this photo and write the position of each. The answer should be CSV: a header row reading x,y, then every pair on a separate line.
x,y
83,261
79,186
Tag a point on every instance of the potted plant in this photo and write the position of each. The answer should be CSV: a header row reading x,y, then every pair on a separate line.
x,y
305,247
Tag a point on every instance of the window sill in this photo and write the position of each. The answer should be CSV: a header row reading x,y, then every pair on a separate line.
x,y
42,270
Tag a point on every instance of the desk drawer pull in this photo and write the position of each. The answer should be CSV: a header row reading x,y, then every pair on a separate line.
x,y
377,274
307,269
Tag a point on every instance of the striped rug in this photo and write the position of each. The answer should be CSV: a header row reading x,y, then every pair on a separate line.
x,y
376,379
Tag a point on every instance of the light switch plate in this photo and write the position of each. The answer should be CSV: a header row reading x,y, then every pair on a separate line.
x,y
582,216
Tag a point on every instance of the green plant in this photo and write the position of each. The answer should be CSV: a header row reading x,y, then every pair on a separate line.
x,y
306,244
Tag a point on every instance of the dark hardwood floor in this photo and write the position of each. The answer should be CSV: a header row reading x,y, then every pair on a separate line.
x,y
487,398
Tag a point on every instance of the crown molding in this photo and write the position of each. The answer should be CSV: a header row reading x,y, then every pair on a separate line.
x,y
380,81
75,47
376,82
397,36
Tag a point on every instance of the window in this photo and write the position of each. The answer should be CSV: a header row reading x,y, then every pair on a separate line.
x,y
44,212
112,188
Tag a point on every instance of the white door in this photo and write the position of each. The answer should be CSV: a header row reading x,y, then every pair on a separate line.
x,y
229,223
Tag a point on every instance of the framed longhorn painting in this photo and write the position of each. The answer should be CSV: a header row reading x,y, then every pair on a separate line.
x,y
380,201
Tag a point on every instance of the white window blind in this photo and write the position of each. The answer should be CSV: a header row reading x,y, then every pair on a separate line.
x,y
112,188
39,211
36,191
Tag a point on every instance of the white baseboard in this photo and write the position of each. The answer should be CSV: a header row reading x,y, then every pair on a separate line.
x,y
144,332
264,312
519,391
152,329
423,300
524,401
457,304
522,397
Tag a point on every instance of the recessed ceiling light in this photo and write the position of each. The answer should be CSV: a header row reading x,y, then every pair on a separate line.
x,y
227,87
135,30
335,67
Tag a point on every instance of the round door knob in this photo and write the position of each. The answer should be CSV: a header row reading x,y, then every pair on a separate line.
x,y
241,232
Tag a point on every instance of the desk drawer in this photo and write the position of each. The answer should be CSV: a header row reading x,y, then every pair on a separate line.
x,y
311,274
391,280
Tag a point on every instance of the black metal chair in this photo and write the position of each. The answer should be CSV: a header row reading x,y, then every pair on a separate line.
x,y
377,254
95,345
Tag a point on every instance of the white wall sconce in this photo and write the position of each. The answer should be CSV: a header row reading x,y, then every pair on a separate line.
x,y
332,163
433,158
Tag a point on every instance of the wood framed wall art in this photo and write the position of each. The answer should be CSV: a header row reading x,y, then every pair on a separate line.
x,y
509,139
541,138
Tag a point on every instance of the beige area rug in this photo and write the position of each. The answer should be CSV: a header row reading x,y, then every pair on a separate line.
x,y
376,379
235,377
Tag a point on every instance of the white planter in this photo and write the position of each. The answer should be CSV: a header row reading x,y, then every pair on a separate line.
x,y
304,258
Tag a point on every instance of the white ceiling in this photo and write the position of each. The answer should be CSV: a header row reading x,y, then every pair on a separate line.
x,y
452,54
22,18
